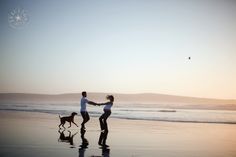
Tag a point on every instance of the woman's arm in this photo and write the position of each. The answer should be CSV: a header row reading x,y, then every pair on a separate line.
x,y
106,103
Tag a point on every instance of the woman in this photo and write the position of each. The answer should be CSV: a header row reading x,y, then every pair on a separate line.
x,y
107,112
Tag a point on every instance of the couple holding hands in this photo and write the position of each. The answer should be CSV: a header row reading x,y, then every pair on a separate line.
x,y
103,118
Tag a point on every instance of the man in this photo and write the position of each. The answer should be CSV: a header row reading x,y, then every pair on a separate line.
x,y
84,101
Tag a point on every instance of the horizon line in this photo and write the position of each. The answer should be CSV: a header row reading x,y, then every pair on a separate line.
x,y
232,99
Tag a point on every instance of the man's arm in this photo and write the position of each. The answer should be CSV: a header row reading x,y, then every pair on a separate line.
x,y
92,103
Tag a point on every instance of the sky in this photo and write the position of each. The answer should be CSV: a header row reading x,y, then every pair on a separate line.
x,y
120,46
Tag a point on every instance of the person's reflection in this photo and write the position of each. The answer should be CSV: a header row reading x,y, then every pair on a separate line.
x,y
84,144
66,139
104,147
102,143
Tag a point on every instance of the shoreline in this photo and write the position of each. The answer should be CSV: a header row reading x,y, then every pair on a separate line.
x,y
37,134
123,118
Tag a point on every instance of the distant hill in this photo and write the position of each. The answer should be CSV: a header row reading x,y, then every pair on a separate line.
x,y
132,100
145,98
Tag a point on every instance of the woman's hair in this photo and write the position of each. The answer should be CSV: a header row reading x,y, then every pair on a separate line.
x,y
110,97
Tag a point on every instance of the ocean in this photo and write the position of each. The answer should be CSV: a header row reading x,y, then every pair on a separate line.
x,y
129,111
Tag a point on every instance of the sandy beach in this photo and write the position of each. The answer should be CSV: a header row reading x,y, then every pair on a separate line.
x,y
36,134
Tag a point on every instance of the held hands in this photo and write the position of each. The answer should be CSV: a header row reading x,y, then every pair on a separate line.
x,y
93,103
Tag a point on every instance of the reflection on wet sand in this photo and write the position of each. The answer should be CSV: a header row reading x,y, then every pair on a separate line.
x,y
103,146
66,139
101,142
84,144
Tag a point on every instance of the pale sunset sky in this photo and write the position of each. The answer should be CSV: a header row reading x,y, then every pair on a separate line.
x,y
120,46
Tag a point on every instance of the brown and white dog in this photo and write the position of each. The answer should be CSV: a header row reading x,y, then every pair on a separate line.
x,y
68,119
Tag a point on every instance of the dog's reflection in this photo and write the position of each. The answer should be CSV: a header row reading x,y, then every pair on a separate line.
x,y
84,144
66,139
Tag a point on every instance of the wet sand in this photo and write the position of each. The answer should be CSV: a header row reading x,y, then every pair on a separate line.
x,y
36,134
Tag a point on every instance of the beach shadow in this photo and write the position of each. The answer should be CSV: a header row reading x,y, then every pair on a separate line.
x,y
66,139
84,144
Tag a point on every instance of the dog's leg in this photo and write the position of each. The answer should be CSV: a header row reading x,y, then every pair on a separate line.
x,y
70,125
60,121
63,126
75,123
69,133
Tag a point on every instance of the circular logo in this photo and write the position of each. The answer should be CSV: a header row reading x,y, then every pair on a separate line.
x,y
18,18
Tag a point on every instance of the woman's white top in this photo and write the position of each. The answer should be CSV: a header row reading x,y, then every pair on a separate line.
x,y
108,106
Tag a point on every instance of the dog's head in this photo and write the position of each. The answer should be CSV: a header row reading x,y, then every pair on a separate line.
x,y
73,113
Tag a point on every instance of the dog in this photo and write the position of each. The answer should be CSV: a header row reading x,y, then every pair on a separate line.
x,y
67,119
